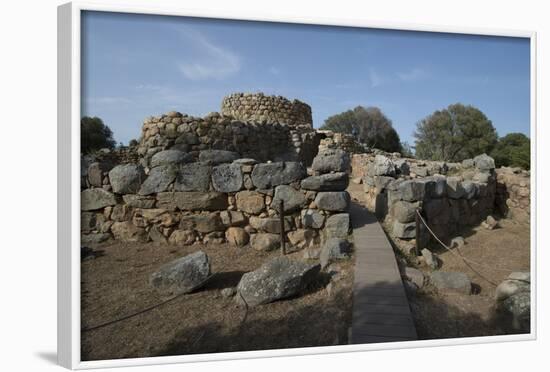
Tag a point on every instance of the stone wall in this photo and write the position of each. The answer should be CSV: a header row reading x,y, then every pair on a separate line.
x,y
249,135
513,194
219,198
343,141
269,109
450,196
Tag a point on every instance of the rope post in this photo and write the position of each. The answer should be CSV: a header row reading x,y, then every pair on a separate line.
x,y
282,217
417,232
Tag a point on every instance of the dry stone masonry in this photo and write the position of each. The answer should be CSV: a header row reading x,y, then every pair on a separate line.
x,y
513,195
253,125
449,195
267,109
221,197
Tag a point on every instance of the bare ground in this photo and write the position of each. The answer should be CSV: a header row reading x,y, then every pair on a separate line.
x,y
115,284
501,251
439,315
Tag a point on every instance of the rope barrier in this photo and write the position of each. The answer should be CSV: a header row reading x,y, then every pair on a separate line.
x,y
147,309
466,261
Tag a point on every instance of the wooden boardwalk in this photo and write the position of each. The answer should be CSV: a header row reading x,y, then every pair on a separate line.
x,y
381,310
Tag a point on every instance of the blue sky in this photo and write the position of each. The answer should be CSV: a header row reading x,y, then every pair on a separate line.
x,y
134,66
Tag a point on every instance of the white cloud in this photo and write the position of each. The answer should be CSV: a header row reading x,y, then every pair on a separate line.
x,y
413,75
211,62
375,78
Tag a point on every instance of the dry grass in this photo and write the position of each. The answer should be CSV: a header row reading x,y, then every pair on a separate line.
x,y
454,315
115,284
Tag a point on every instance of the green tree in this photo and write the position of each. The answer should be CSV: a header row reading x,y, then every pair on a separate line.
x,y
407,150
453,134
369,125
513,150
95,135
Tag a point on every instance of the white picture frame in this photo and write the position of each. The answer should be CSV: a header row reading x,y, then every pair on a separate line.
x,y
69,183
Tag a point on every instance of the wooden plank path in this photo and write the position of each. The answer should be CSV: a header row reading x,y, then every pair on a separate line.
x,y
381,310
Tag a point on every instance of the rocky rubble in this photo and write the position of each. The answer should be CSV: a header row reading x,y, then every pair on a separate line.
x,y
513,297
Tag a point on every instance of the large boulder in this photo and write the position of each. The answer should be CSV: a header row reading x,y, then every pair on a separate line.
x,y
336,226
404,211
414,275
404,230
326,182
334,201
334,249
437,186
484,162
128,232
453,282
518,308
382,166
236,236
454,188
193,177
184,237
96,172
292,199
301,238
268,175
203,223
126,178
215,157
92,199
192,201
265,242
402,166
139,201
158,180
227,178
437,211
515,283
332,160
269,224
182,275
412,190
250,202
470,188
277,279
312,218
170,157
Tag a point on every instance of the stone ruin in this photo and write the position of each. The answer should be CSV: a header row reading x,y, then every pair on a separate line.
x,y
450,196
220,179
253,125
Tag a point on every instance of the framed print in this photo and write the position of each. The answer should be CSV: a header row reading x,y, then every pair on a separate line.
x,y
236,187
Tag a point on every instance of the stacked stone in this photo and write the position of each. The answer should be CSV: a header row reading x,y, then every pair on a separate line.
x,y
343,141
513,195
221,197
193,134
266,109
449,195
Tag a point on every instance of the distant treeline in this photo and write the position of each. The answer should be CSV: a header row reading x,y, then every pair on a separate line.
x,y
452,134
